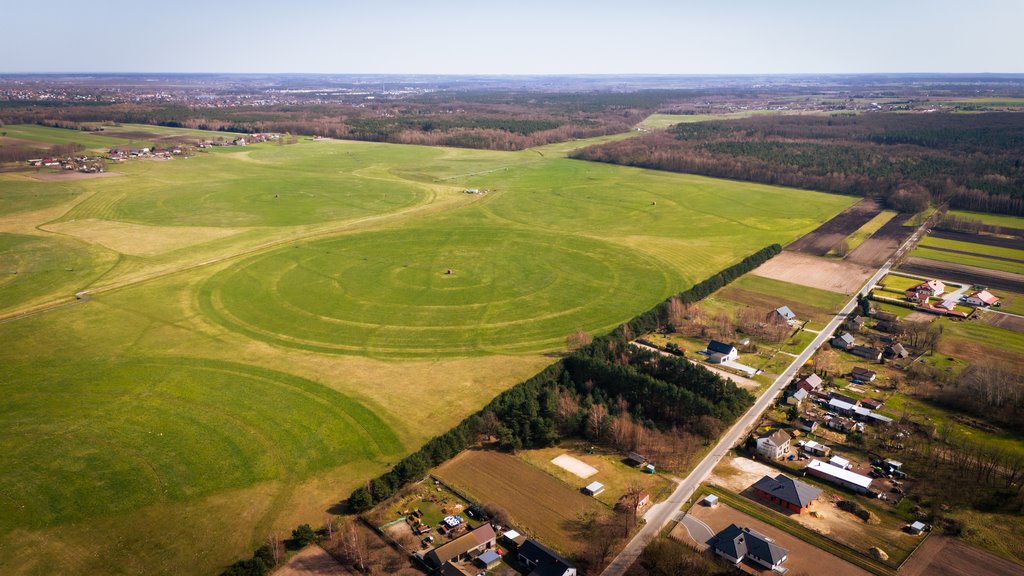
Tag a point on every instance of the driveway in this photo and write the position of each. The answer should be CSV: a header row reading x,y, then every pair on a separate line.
x,y
700,532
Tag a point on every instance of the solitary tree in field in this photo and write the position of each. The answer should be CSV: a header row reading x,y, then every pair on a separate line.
x,y
577,340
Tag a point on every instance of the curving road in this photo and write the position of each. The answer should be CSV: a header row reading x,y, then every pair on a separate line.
x,y
659,515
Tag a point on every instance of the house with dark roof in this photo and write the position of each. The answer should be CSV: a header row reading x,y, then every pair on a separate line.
x,y
854,323
736,544
542,561
464,547
719,352
812,382
843,341
784,491
886,317
780,315
775,445
450,569
863,374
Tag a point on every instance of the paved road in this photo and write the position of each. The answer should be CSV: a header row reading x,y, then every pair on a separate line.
x,y
662,513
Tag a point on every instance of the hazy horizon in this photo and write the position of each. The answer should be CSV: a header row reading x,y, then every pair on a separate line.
x,y
529,38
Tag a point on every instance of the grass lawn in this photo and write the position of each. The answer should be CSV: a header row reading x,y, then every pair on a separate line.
x,y
973,339
865,231
899,284
283,316
1011,302
766,293
991,219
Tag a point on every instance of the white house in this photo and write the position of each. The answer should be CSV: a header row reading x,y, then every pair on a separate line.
x,y
774,445
982,298
719,352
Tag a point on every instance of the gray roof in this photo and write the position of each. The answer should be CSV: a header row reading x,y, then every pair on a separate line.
x,y
788,490
740,542
544,559
785,312
720,347
800,394
846,337
779,437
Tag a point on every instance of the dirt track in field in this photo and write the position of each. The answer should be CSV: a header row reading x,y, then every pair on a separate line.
x,y
994,279
942,556
877,249
832,233
998,241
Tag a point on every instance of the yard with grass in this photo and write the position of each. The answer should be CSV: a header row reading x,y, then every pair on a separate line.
x,y
144,421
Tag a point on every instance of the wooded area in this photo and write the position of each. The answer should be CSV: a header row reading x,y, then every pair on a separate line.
x,y
975,161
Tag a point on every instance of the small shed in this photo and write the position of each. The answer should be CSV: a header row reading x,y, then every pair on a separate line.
x,y
649,468
636,459
710,501
488,559
593,489
917,527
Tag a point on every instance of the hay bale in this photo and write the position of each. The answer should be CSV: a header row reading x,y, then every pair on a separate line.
x,y
878,554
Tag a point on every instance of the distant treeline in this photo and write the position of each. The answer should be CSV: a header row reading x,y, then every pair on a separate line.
x,y
606,390
468,120
974,161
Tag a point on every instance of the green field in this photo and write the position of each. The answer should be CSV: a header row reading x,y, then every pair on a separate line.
x,y
982,250
990,219
968,259
270,326
47,136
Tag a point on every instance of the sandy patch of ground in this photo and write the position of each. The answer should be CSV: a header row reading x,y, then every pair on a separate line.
x,y
312,561
66,175
816,272
139,239
803,557
738,474
581,469
920,317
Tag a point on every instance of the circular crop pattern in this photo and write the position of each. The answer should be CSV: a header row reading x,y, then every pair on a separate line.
x,y
417,292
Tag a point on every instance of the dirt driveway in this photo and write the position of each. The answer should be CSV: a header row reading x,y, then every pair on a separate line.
x,y
803,557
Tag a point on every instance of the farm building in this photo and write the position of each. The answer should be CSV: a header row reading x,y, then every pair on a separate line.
x,y
710,501
872,403
735,543
896,351
513,539
866,352
797,397
593,489
840,462
917,527
775,445
542,561
843,341
812,383
886,317
780,315
719,352
862,374
816,448
840,477
982,298
637,459
806,424
844,425
627,504
854,323
791,494
488,559
450,569
463,548
843,397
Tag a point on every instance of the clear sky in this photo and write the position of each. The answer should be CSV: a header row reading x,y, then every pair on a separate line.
x,y
514,36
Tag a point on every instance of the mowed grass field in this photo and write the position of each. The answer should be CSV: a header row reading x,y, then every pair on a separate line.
x,y
539,504
268,327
